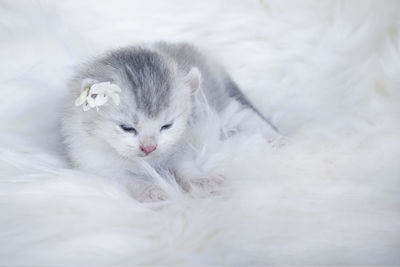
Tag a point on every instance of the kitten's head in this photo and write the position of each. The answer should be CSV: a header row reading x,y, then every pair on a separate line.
x,y
156,103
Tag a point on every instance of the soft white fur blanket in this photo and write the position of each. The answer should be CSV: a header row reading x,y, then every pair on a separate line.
x,y
327,72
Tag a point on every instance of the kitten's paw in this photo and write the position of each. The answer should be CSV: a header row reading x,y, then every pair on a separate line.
x,y
205,186
152,193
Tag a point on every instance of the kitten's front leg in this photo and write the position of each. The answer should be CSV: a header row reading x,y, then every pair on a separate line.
x,y
196,182
145,191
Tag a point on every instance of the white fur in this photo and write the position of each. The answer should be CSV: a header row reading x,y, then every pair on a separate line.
x,y
326,72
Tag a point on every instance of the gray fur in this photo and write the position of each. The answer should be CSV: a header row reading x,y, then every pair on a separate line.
x,y
213,78
235,93
149,76
218,86
161,84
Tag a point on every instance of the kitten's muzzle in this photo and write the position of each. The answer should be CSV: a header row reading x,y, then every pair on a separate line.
x,y
148,148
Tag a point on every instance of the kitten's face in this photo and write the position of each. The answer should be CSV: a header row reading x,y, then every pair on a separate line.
x,y
143,136
134,134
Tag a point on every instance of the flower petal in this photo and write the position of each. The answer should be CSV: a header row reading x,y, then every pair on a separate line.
x,y
97,88
82,97
86,106
113,88
91,101
101,100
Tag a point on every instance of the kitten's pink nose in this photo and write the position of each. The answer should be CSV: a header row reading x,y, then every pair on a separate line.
x,y
148,149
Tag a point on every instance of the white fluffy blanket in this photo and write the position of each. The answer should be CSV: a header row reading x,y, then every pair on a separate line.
x,y
326,72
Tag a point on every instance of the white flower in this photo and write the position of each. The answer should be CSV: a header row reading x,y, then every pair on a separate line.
x,y
97,95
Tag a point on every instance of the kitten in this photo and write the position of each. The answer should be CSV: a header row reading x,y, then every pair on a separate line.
x,y
164,88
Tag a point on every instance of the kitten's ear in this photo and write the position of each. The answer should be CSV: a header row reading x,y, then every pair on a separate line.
x,y
193,79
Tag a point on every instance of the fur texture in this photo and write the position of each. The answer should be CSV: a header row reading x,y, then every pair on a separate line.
x,y
325,72
167,90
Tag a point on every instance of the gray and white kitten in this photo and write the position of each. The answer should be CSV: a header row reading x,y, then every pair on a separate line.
x,y
164,88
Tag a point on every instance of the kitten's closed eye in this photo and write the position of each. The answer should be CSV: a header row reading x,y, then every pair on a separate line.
x,y
128,129
166,126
